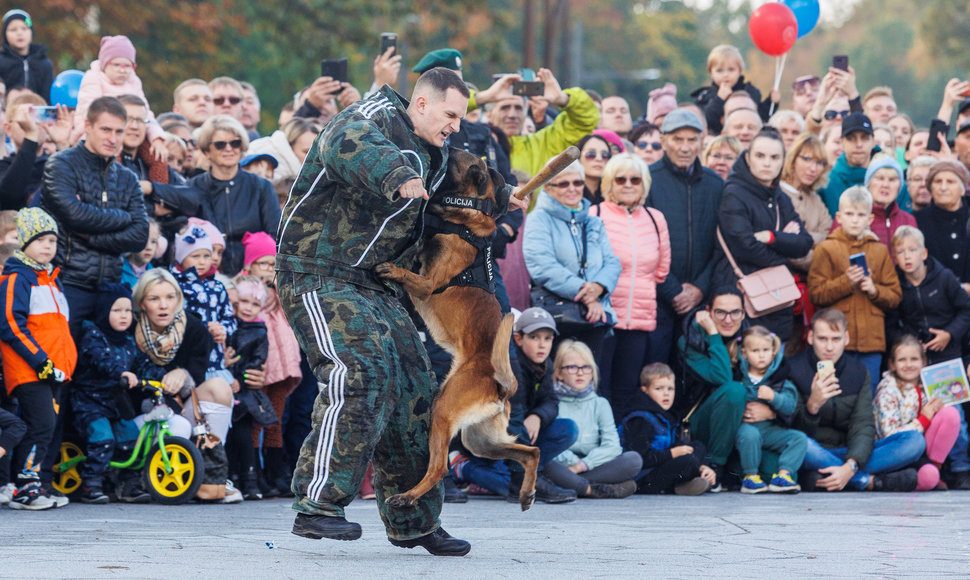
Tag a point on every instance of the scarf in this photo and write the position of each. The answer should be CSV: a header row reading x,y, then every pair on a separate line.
x,y
32,263
564,390
161,348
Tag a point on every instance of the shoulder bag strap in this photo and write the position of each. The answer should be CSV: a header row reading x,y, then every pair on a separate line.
x,y
656,228
727,253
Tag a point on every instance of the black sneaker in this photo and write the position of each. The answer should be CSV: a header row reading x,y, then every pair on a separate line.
x,y
438,543
809,480
612,490
902,480
318,527
93,495
549,492
958,480
131,492
452,493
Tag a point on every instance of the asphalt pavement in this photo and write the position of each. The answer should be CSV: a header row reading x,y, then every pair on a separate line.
x,y
728,535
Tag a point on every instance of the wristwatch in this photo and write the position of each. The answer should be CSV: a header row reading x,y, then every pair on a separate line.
x,y
854,464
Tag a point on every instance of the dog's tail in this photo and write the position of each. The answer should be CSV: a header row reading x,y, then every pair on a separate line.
x,y
500,358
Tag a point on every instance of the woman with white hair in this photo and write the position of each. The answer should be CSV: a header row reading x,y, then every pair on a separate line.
x,y
790,124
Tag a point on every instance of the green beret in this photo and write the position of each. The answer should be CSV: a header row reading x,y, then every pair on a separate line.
x,y
445,57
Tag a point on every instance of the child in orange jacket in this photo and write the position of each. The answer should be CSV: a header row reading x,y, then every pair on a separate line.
x,y
38,352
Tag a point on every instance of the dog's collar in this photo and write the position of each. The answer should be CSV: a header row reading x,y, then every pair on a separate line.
x,y
484,205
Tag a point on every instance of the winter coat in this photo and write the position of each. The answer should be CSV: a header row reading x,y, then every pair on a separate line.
x,y
938,302
283,358
651,435
552,244
598,441
713,105
35,326
535,395
885,222
208,299
33,70
842,177
344,215
12,430
245,203
100,214
642,244
279,147
192,356
828,286
251,345
815,216
947,237
776,377
21,175
845,420
898,409
99,373
747,207
689,201
706,364
95,84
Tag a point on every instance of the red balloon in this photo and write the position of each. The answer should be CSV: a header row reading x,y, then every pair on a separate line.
x,y
773,28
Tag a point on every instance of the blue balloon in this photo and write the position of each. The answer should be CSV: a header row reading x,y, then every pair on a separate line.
x,y
65,88
806,13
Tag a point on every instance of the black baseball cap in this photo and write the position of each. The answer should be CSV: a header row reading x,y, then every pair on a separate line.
x,y
856,122
963,106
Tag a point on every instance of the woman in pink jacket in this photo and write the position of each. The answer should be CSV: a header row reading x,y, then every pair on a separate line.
x,y
638,236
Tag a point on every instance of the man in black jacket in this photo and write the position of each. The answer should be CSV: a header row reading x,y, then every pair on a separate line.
x,y
98,207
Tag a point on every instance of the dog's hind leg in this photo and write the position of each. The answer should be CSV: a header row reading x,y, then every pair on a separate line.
x,y
490,439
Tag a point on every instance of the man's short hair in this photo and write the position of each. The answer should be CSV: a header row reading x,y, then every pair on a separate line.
x,y
133,100
878,92
833,317
248,87
185,84
856,196
28,98
225,82
439,80
910,232
654,371
109,105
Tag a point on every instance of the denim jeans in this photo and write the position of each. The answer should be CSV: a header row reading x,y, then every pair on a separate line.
x,y
960,454
888,454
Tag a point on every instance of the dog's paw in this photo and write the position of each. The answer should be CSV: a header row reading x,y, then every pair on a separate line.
x,y
526,500
388,270
401,500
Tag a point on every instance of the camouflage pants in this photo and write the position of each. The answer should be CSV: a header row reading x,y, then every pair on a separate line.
x,y
376,393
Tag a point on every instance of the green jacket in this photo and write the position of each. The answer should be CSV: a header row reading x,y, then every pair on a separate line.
x,y
578,118
842,177
344,216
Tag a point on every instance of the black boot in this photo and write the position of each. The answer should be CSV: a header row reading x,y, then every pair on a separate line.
x,y
438,543
318,527
250,488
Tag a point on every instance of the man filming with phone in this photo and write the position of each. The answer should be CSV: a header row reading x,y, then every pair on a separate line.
x,y
835,411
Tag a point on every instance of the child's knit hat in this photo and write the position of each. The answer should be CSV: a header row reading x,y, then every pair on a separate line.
x,y
662,101
257,245
210,230
249,286
10,16
189,240
113,47
33,222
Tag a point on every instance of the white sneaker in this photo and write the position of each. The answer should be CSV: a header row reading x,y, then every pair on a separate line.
x,y
60,500
31,497
233,495
6,493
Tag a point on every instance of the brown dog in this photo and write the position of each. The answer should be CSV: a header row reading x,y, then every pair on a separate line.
x,y
465,320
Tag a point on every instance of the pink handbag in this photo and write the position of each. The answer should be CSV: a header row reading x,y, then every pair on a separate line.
x,y
766,290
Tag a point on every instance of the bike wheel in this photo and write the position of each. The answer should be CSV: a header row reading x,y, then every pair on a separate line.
x,y
69,480
183,482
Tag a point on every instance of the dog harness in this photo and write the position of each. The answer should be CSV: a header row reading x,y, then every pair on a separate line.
x,y
480,273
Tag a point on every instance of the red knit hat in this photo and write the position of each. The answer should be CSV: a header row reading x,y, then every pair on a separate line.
x,y
257,245
113,47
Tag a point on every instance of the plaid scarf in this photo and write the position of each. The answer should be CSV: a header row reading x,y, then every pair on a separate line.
x,y
162,347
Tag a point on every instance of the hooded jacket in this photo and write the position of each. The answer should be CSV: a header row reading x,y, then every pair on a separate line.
x,y
828,286
642,245
810,207
344,215
535,395
842,177
278,146
845,420
95,84
598,441
776,377
33,70
885,222
552,244
713,105
100,214
251,344
35,326
688,200
938,302
651,435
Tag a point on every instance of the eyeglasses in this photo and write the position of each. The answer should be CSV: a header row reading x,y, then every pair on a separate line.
x,y
633,180
575,370
831,115
725,314
120,65
804,86
564,184
222,100
655,145
730,158
136,121
264,263
220,145
594,154
820,163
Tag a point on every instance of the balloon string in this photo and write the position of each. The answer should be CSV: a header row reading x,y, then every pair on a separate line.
x,y
779,69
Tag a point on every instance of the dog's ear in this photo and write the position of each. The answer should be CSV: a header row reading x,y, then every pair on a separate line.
x,y
478,176
498,182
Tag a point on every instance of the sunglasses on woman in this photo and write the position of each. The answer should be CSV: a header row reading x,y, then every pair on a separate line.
x,y
633,180
220,101
220,145
594,154
655,145
577,183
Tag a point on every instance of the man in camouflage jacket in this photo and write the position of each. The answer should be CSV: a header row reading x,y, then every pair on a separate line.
x,y
358,202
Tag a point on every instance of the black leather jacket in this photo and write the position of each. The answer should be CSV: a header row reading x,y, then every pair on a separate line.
x,y
100,214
